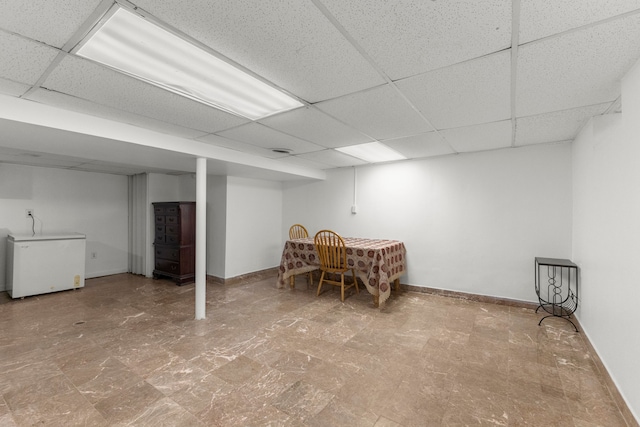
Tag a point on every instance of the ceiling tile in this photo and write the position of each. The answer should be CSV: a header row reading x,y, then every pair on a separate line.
x,y
424,145
408,37
51,22
542,18
556,126
87,107
486,136
578,68
469,93
23,60
381,113
113,169
120,169
289,43
87,80
9,87
239,146
313,125
37,158
262,136
306,163
332,158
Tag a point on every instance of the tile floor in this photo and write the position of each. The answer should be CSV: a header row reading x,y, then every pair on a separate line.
x,y
125,350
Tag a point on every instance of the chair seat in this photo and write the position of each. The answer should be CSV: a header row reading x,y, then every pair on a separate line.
x,y
298,231
333,259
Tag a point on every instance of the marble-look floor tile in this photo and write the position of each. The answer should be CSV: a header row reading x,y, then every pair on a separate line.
x,y
336,413
302,400
238,370
126,350
165,413
64,409
37,390
130,404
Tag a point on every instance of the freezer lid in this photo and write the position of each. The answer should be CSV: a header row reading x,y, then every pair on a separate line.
x,y
45,236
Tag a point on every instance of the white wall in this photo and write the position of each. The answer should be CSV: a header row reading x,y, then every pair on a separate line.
x,y
91,203
165,188
606,238
216,225
244,220
471,222
253,226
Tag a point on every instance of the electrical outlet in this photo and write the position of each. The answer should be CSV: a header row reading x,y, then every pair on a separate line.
x,y
28,213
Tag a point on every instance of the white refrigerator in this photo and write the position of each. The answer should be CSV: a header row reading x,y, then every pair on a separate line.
x,y
44,263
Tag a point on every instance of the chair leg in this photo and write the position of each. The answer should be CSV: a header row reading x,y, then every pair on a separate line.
x,y
310,281
355,280
292,281
320,283
342,286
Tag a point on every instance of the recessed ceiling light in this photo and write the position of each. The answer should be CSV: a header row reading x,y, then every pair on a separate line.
x,y
133,45
372,152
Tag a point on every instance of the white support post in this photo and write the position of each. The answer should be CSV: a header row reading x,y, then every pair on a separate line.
x,y
201,238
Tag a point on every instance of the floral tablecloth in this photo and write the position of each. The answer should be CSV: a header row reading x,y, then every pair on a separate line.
x,y
376,262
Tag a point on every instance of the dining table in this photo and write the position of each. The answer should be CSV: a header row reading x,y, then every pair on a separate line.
x,y
377,262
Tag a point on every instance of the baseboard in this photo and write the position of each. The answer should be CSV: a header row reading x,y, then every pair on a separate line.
x,y
253,276
617,397
611,386
95,274
470,297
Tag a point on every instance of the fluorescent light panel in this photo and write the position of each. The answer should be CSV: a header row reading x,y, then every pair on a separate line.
x,y
372,152
137,47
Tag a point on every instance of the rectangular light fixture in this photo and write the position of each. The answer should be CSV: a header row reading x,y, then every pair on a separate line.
x,y
135,46
372,152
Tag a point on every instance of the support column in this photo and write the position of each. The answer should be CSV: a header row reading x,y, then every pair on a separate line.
x,y
201,238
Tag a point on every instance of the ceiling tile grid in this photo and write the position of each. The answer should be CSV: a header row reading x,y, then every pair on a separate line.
x,y
289,43
87,80
485,136
262,136
472,92
577,68
305,163
313,125
333,158
80,105
555,126
23,60
50,22
12,88
236,145
417,146
542,18
409,37
392,71
381,113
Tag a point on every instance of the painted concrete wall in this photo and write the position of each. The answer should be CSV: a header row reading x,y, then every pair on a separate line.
x,y
91,203
471,223
216,225
253,226
606,237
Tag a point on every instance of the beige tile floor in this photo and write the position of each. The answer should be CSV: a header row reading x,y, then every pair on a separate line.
x,y
125,350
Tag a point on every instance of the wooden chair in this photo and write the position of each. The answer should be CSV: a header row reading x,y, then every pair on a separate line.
x,y
333,259
297,231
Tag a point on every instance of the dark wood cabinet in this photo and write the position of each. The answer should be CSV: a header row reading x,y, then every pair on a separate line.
x,y
175,241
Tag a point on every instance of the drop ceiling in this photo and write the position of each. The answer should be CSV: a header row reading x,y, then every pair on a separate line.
x,y
426,78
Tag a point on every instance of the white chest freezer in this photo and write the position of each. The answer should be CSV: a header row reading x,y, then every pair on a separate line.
x,y
44,263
